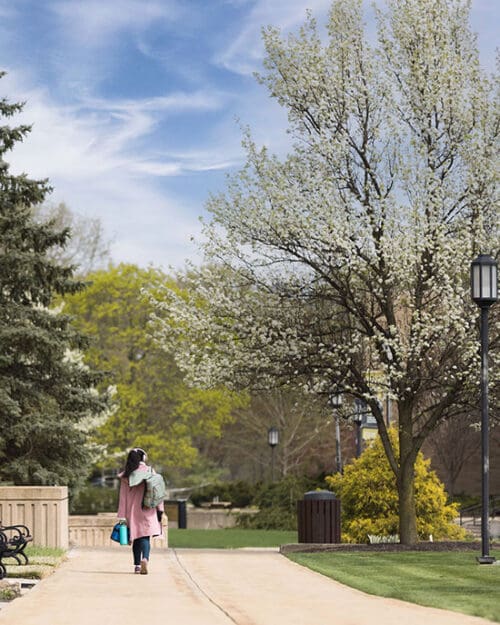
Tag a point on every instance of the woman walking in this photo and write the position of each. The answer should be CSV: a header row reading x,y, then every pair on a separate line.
x,y
142,522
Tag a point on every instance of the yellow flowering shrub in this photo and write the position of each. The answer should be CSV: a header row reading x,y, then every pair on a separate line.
x,y
369,498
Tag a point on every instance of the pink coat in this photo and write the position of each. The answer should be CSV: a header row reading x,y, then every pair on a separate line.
x,y
141,521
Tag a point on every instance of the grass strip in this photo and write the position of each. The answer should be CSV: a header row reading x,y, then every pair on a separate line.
x,y
449,580
230,538
42,562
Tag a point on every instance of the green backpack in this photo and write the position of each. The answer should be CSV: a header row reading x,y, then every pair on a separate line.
x,y
155,490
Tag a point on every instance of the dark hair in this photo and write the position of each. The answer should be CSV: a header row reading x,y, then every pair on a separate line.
x,y
134,458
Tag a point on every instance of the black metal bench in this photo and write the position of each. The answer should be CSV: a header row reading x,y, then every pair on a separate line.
x,y
13,541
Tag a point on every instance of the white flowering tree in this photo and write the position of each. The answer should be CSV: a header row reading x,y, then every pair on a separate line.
x,y
345,265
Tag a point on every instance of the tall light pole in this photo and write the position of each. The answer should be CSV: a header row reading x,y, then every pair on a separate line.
x,y
273,437
336,404
360,409
484,291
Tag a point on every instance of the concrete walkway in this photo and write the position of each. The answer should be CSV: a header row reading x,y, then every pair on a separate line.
x,y
206,587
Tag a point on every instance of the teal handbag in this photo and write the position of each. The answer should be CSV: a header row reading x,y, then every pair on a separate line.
x,y
121,534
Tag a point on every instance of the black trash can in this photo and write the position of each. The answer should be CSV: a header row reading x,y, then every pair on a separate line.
x,y
176,511
318,516
182,512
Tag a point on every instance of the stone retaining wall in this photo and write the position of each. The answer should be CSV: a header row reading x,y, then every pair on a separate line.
x,y
95,531
44,509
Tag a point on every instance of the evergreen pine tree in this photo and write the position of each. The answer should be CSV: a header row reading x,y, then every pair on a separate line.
x,y
46,394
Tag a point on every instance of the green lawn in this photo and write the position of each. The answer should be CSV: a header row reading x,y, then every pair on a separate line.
x,y
229,538
449,580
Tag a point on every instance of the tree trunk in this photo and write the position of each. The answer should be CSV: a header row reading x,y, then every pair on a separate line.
x,y
407,510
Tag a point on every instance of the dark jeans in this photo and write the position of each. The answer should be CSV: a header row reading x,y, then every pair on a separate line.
x,y
140,548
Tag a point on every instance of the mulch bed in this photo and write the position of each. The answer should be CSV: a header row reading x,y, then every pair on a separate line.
x,y
385,547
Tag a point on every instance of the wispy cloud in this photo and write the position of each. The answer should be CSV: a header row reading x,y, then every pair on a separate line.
x,y
172,102
93,22
101,134
195,161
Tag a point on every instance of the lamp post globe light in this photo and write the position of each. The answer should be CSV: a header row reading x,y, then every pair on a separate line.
x,y
273,437
484,292
336,403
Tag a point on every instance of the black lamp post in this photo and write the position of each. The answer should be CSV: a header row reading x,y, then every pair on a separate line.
x,y
484,291
273,437
336,404
360,409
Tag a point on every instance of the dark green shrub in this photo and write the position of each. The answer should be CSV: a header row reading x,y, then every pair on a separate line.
x,y
277,503
94,499
209,493
240,493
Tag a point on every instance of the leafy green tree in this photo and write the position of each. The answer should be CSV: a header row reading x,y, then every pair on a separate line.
x,y
345,265
370,504
47,396
155,409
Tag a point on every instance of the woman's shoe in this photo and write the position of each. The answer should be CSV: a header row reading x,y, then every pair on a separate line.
x,y
137,568
144,567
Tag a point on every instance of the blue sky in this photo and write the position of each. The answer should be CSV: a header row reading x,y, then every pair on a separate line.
x,y
134,105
